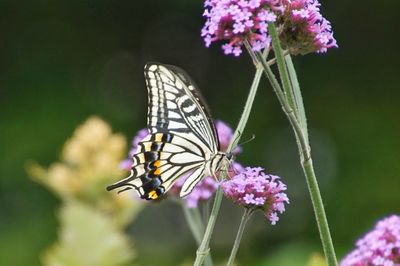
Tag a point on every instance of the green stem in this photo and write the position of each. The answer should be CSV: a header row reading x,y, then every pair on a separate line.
x,y
246,112
319,211
285,105
204,249
282,67
245,218
302,140
196,226
297,94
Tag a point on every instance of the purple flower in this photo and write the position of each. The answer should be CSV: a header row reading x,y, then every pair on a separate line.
x,y
304,29
141,134
225,134
234,21
204,190
252,188
381,246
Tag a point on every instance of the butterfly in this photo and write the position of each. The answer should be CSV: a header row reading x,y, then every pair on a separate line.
x,y
182,140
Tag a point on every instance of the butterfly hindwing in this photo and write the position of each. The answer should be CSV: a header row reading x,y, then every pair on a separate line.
x,y
160,159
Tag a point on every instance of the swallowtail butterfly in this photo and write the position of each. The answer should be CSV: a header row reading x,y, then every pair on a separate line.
x,y
182,138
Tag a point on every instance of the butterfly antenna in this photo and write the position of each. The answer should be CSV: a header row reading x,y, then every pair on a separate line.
x,y
247,141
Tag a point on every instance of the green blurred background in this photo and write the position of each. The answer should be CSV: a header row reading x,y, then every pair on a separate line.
x,y
62,61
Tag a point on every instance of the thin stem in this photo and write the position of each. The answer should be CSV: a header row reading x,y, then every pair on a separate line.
x,y
282,67
204,249
307,163
297,94
299,103
302,139
193,218
245,218
250,99
285,106
319,212
246,112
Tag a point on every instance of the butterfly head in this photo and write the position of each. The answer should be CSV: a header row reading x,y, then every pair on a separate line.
x,y
229,156
219,162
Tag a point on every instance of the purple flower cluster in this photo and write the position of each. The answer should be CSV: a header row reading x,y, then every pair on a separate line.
x,y
303,28
141,134
381,246
204,190
234,21
252,188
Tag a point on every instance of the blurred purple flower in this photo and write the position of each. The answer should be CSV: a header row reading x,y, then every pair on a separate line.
x,y
225,134
252,188
304,29
381,246
204,190
141,134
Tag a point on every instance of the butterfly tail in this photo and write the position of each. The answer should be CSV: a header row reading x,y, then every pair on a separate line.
x,y
126,184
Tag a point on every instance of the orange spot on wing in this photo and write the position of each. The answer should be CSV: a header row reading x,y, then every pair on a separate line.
x,y
157,171
157,163
153,194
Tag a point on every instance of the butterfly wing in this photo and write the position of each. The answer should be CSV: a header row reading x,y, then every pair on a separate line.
x,y
176,106
160,159
182,138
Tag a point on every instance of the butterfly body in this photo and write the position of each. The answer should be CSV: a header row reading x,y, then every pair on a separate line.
x,y
182,140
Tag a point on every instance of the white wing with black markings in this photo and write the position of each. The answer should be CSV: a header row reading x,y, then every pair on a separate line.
x,y
182,136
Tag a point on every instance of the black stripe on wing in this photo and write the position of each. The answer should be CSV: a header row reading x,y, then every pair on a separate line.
x,y
158,164
191,85
175,105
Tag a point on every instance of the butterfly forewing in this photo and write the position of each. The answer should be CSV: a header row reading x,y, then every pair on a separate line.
x,y
182,135
176,106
